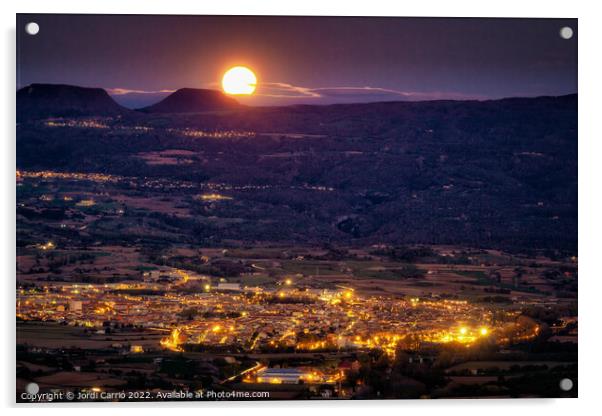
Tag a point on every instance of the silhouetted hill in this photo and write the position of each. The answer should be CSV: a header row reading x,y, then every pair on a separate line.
x,y
54,100
191,100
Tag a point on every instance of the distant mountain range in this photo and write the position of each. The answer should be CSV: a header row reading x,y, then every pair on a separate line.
x,y
138,99
54,100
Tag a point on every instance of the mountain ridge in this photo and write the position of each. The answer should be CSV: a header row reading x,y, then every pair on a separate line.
x,y
41,100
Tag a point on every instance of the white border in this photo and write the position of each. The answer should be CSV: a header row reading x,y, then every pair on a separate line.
x,y
590,207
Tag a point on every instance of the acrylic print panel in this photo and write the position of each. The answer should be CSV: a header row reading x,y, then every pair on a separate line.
x,y
292,208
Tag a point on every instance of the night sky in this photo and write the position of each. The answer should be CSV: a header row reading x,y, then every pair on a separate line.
x,y
317,60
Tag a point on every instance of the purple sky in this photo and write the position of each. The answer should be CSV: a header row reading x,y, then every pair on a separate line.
x,y
319,60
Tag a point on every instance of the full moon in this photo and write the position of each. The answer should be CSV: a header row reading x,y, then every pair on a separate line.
x,y
239,80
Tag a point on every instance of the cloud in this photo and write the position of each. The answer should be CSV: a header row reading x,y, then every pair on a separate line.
x,y
124,91
284,90
347,93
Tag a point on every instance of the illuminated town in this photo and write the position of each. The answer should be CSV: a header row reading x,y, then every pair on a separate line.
x,y
231,319
252,319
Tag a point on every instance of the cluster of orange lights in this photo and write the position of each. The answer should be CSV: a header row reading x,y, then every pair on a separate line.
x,y
213,197
463,335
174,340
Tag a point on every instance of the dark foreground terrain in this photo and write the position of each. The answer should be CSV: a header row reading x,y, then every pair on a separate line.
x,y
498,174
369,251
